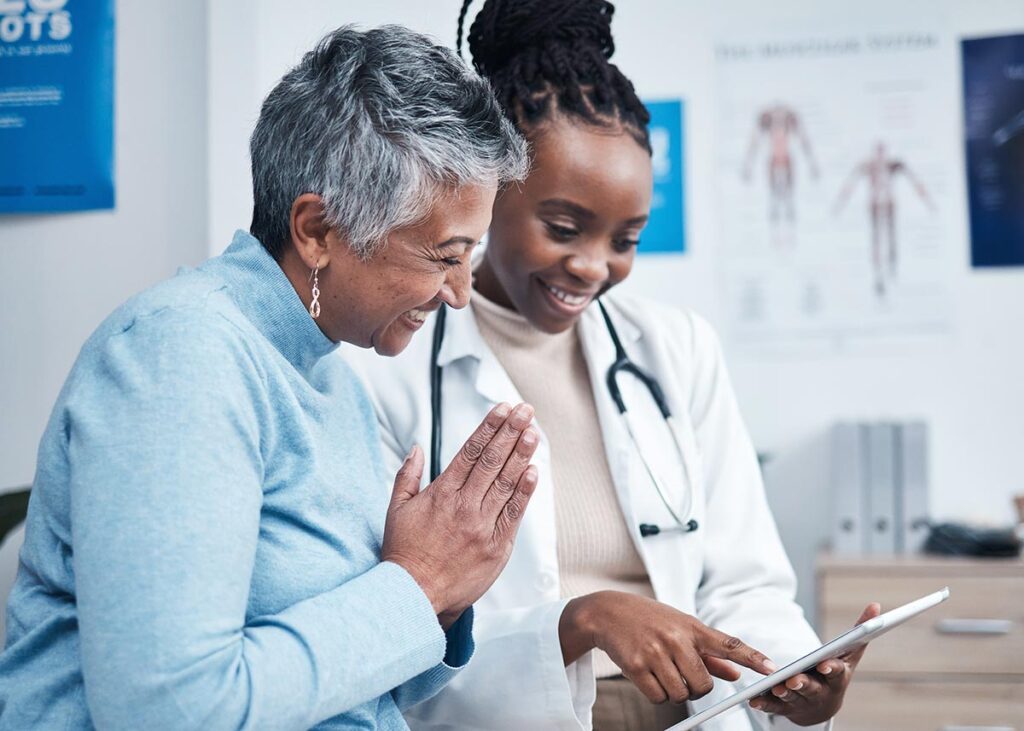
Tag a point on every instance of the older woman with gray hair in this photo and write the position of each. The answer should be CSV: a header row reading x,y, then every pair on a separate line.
x,y
211,541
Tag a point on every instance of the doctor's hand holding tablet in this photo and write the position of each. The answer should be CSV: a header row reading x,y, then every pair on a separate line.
x,y
815,695
810,690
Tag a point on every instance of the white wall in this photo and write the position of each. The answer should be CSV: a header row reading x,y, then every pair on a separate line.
x,y
61,274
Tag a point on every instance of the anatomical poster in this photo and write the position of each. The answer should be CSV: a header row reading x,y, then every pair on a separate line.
x,y
834,172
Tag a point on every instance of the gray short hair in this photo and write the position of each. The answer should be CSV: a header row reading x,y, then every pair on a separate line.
x,y
377,123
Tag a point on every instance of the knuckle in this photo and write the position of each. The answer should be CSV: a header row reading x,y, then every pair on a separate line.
x,y
731,643
473,448
482,531
678,637
504,484
512,511
701,687
491,459
634,663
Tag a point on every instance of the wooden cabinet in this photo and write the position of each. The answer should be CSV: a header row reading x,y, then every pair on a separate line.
x,y
958,667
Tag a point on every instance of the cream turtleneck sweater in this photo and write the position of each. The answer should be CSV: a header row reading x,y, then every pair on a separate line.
x,y
595,551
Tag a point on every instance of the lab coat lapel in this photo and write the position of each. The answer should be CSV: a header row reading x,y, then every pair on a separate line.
x,y
599,352
462,339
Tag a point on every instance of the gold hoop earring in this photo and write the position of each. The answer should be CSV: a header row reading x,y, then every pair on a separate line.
x,y
314,306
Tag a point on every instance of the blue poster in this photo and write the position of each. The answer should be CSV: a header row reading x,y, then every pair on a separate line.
x,y
994,129
666,231
56,105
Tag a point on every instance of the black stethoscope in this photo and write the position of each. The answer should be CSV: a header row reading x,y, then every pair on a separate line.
x,y
683,522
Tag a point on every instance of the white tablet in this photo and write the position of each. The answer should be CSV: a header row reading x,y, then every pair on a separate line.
x,y
841,645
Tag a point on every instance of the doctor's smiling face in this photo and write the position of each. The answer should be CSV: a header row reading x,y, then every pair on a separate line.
x,y
570,232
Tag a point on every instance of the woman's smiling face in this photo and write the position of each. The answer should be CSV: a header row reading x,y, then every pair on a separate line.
x,y
568,233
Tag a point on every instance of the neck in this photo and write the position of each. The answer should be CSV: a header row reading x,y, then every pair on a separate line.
x,y
486,282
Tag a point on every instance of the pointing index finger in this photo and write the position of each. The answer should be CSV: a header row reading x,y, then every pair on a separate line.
x,y
719,644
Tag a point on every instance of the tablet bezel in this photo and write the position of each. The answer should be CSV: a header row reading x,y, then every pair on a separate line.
x,y
843,644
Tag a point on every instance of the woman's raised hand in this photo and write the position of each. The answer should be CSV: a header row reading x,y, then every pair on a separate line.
x,y
455,537
669,655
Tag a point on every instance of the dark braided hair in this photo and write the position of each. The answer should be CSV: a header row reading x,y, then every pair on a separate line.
x,y
548,56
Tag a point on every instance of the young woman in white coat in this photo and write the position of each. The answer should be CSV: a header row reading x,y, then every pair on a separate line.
x,y
592,621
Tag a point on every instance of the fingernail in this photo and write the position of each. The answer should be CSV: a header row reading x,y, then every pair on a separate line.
x,y
502,410
757,705
798,686
827,670
772,667
521,416
529,437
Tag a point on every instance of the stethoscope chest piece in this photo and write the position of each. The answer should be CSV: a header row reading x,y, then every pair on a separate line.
x,y
652,529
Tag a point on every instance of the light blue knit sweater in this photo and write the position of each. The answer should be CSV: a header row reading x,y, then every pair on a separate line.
x,y
202,545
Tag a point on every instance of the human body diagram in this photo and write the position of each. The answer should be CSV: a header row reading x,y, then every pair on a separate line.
x,y
881,170
780,126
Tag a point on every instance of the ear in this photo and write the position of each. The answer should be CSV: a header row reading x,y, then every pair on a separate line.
x,y
310,232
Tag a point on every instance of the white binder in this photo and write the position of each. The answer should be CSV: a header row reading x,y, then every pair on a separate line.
x,y
882,524
912,487
849,500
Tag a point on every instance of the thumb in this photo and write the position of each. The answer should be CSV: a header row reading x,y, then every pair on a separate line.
x,y
407,481
871,611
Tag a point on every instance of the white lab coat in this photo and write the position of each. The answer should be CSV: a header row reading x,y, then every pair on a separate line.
x,y
732,573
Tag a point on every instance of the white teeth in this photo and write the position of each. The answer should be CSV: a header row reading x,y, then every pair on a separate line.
x,y
418,315
573,300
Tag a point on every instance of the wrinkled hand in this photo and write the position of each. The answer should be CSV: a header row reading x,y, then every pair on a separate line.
x,y
456,537
816,696
668,655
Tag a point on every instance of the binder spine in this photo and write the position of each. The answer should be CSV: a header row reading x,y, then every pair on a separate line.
x,y
848,480
881,529
913,487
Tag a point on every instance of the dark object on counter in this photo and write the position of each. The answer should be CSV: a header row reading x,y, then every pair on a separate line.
x,y
957,539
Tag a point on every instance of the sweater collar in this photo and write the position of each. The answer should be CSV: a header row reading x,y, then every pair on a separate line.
x,y
258,285
508,326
